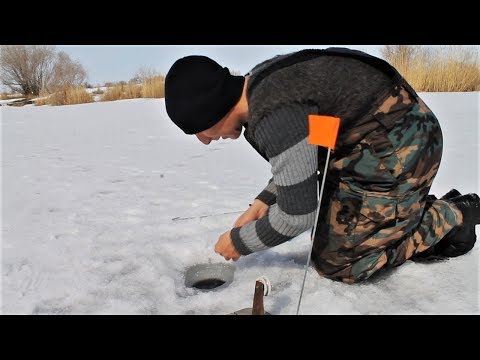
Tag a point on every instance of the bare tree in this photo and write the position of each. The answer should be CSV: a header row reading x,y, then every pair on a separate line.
x,y
143,74
28,69
24,69
66,72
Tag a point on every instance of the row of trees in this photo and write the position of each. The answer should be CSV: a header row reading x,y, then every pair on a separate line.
x,y
30,69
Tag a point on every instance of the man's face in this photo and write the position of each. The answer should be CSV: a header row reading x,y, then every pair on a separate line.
x,y
230,127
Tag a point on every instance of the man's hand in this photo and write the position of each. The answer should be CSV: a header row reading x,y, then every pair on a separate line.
x,y
225,247
256,211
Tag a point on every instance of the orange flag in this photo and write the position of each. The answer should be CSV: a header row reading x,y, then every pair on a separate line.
x,y
323,130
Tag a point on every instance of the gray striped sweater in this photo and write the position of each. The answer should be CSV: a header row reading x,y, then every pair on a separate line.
x,y
292,192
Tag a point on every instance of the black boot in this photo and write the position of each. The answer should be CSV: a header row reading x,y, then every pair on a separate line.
x,y
461,238
449,195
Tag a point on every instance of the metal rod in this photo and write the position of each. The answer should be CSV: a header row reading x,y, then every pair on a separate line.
x,y
314,228
205,216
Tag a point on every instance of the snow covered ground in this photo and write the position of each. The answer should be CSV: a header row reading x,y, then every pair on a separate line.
x,y
10,101
89,193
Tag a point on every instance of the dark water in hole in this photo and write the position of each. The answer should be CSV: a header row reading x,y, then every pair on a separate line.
x,y
208,284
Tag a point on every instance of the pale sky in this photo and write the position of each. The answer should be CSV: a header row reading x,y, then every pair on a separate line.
x,y
121,62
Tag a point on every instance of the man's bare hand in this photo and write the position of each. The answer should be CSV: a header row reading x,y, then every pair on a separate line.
x,y
258,210
225,247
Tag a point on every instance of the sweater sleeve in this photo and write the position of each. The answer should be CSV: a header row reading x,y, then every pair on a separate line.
x,y
269,194
283,136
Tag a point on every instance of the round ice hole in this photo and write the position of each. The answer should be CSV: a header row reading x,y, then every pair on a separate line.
x,y
209,276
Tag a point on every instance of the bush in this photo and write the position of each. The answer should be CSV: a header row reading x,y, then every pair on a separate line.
x,y
112,93
43,98
67,95
140,86
154,87
132,91
448,68
122,92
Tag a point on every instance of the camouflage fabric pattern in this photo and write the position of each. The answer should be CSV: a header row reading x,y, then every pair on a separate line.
x,y
375,212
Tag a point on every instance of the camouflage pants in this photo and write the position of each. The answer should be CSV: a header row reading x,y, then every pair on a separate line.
x,y
375,212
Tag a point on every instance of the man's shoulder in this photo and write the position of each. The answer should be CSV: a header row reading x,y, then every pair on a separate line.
x,y
283,127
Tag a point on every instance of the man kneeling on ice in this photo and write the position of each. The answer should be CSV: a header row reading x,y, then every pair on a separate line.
x,y
375,210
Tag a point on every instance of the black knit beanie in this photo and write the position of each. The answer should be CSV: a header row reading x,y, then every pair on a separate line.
x,y
199,93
